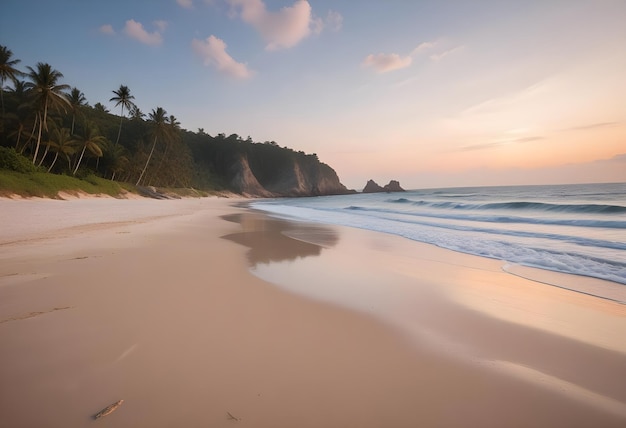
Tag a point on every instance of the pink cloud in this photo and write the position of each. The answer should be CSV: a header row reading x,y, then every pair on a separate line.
x,y
187,4
280,30
107,29
213,52
136,31
384,63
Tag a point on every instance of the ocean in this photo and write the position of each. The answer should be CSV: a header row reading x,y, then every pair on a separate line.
x,y
575,229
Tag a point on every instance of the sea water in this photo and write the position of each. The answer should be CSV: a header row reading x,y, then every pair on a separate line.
x,y
576,229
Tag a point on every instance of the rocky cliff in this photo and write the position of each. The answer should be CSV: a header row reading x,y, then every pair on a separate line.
x,y
294,177
373,187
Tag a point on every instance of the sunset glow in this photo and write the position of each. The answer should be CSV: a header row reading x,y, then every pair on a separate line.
x,y
433,93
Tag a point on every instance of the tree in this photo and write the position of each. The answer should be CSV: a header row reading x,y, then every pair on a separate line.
x,y
92,141
62,143
115,159
172,132
136,113
47,93
158,119
122,97
99,107
7,70
20,116
77,100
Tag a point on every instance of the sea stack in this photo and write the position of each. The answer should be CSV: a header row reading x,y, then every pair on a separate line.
x,y
373,187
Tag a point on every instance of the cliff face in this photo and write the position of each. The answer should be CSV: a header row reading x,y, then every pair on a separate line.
x,y
294,177
244,181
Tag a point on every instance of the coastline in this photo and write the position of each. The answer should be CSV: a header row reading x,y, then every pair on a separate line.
x,y
161,310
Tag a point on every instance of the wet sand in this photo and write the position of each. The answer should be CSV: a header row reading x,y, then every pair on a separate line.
x,y
204,313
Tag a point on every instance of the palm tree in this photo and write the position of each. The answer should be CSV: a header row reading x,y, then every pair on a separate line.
x,y
172,128
99,107
122,97
92,141
115,159
48,93
136,113
158,119
62,143
20,117
77,100
7,70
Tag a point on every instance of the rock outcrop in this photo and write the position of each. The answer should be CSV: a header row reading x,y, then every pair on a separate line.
x,y
373,187
295,177
393,186
244,180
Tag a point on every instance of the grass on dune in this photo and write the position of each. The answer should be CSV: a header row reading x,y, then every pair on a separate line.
x,y
45,185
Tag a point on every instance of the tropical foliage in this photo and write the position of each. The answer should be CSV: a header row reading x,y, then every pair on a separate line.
x,y
52,124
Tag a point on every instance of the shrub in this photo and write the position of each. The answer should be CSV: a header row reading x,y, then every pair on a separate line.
x,y
13,161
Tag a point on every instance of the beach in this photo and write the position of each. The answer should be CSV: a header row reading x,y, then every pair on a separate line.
x,y
203,312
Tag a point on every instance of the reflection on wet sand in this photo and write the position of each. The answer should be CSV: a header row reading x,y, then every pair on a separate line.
x,y
275,240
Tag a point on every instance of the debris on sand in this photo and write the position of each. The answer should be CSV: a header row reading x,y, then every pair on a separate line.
x,y
108,410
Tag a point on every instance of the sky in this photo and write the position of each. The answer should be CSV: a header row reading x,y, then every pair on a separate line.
x,y
432,93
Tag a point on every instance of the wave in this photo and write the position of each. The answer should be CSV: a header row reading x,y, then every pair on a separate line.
x,y
609,224
579,255
579,241
520,206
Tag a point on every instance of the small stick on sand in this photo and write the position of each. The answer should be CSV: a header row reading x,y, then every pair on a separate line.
x,y
232,418
108,410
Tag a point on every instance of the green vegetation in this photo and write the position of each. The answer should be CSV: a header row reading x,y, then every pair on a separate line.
x,y
48,185
52,140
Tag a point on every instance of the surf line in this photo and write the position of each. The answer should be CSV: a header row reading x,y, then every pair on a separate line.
x,y
507,266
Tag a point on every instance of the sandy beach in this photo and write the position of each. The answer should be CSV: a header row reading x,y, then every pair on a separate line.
x,y
202,312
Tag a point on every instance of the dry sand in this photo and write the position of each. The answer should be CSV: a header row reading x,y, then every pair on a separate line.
x,y
153,302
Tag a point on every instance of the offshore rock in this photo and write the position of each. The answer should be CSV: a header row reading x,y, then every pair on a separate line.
x,y
393,186
373,187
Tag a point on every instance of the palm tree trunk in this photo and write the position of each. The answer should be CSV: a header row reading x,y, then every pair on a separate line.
x,y
45,153
30,137
38,140
42,124
2,97
148,161
53,161
119,131
80,159
19,135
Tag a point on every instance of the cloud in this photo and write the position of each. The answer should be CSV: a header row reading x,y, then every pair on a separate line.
x,y
334,20
282,29
618,158
136,31
384,63
161,25
593,126
422,47
501,143
439,56
187,4
213,52
107,29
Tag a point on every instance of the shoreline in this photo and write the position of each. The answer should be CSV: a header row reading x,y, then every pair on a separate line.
x,y
164,313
